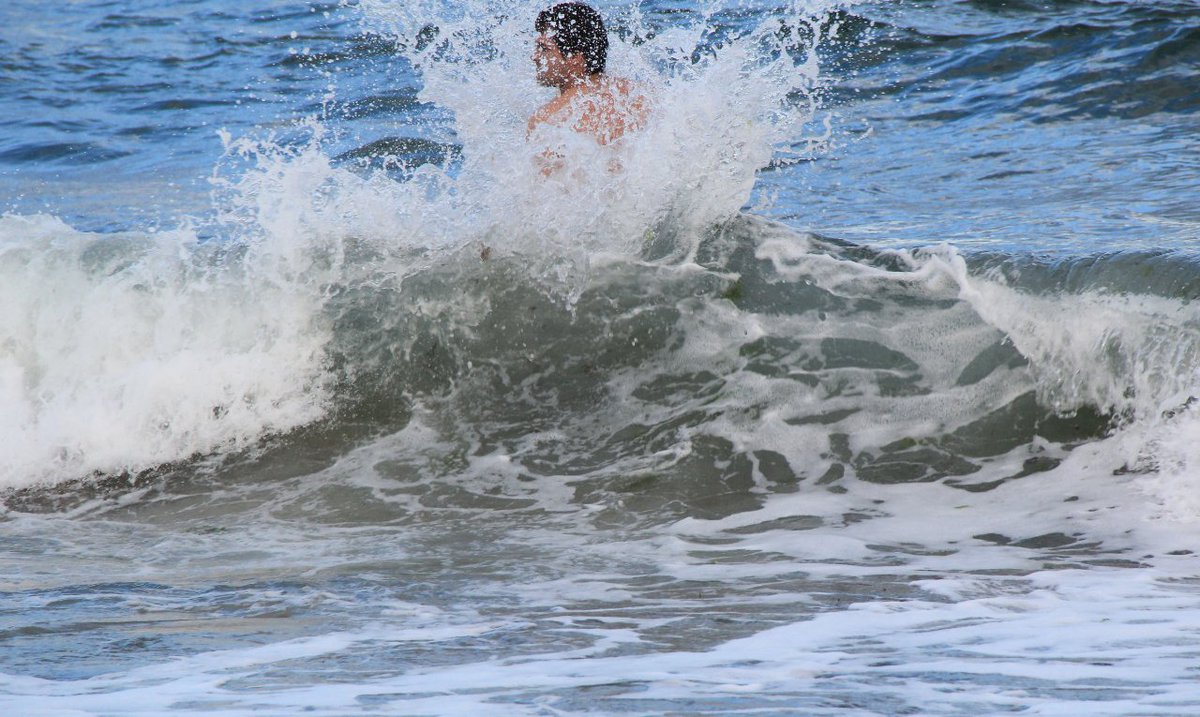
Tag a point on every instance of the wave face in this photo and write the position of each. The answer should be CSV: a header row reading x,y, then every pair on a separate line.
x,y
861,381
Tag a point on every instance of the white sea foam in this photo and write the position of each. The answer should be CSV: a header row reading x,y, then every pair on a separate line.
x,y
719,111
453,567
157,358
1107,641
1136,356
124,352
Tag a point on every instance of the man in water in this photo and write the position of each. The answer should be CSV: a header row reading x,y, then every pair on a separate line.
x,y
570,54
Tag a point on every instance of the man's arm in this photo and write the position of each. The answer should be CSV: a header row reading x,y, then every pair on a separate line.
x,y
549,113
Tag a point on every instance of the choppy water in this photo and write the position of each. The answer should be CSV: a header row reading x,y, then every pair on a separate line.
x,y
865,388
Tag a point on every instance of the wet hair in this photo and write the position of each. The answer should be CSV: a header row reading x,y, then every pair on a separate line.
x,y
577,29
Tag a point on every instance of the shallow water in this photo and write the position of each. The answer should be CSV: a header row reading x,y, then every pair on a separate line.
x,y
865,388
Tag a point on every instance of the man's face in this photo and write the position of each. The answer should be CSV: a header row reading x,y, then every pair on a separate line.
x,y
553,68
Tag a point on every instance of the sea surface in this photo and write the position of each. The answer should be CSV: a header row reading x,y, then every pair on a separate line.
x,y
861,381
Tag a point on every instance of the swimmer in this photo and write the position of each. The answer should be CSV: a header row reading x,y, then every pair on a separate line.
x,y
570,55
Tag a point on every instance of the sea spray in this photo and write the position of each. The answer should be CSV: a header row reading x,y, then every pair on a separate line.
x,y
744,469
725,95
1130,354
124,352
177,347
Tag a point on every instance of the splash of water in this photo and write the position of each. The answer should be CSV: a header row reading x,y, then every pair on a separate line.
x,y
1135,356
156,348
125,352
726,92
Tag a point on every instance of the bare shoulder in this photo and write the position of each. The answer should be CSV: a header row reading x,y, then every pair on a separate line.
x,y
553,112
606,109
632,97
632,100
624,87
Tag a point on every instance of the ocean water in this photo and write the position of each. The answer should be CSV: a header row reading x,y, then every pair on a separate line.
x,y
861,381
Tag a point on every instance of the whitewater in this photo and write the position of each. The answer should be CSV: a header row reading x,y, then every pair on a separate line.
x,y
861,381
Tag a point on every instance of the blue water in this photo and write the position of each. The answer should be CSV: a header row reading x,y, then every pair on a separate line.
x,y
1041,127
865,387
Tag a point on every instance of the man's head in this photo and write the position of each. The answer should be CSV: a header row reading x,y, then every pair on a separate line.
x,y
571,41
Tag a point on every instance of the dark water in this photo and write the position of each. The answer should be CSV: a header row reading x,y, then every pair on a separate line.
x,y
865,387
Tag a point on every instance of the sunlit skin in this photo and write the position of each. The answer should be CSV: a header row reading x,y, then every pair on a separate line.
x,y
594,104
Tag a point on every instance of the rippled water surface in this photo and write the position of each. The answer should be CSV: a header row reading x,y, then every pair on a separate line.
x,y
864,385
